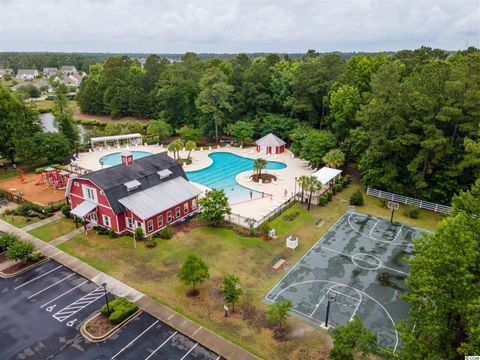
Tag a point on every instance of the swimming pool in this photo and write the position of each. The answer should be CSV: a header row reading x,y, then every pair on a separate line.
x,y
221,174
114,158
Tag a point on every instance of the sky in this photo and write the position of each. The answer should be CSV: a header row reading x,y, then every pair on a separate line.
x,y
228,26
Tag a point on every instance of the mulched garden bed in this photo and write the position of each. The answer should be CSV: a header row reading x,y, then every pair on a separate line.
x,y
266,178
18,267
99,325
3,258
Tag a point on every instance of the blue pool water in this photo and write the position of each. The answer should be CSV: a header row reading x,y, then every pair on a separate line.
x,y
222,172
114,159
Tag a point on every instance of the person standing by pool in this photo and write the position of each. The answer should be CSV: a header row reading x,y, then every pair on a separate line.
x,y
251,194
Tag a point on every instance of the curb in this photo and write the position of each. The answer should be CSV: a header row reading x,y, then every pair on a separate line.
x,y
8,276
93,338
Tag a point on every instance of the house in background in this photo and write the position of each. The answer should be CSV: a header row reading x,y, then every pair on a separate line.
x,y
68,70
5,72
72,80
24,74
49,71
148,193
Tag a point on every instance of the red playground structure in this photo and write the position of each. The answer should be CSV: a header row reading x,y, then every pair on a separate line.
x,y
56,179
20,176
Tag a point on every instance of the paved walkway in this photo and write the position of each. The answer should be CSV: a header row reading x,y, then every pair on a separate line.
x,y
207,338
66,237
43,222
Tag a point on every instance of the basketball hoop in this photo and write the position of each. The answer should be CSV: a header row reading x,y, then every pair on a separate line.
x,y
393,206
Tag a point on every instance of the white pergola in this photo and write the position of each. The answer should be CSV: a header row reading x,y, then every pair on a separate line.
x,y
130,139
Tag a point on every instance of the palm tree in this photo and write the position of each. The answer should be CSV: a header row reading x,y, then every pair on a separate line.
x,y
175,147
313,185
303,182
334,158
259,164
190,146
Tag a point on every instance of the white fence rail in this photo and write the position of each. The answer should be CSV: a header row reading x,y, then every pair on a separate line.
x,y
409,201
246,222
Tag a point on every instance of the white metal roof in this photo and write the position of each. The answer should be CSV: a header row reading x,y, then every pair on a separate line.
x,y
83,209
115,137
154,200
270,140
326,174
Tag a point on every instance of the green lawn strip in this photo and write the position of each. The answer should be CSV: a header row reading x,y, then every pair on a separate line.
x,y
19,221
8,173
427,219
54,229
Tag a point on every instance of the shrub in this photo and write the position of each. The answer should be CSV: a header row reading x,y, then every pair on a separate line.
x,y
151,243
139,233
263,229
166,233
2,195
291,216
322,200
120,309
66,210
101,230
6,240
329,195
111,234
337,188
356,198
347,178
36,256
412,211
20,251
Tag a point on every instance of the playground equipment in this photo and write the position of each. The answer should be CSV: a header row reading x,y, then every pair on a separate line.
x,y
56,179
20,175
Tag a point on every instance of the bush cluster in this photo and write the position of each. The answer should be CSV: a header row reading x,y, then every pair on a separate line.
x,y
291,216
357,198
166,233
55,166
120,309
150,242
36,210
412,211
100,230
18,250
66,211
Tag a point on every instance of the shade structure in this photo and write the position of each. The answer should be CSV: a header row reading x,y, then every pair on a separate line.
x,y
83,209
270,144
326,174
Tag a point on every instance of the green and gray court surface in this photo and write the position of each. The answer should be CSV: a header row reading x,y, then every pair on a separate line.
x,y
360,261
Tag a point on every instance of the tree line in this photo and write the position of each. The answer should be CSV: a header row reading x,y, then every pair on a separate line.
x,y
406,120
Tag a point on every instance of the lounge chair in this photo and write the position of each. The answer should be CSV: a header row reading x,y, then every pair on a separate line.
x,y
209,148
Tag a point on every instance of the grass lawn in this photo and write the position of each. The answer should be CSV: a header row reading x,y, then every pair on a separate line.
x,y
54,229
47,105
19,221
154,272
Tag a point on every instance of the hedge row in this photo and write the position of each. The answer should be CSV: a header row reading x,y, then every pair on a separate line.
x,y
342,184
120,309
35,210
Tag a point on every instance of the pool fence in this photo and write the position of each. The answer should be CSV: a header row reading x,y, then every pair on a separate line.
x,y
249,222
422,204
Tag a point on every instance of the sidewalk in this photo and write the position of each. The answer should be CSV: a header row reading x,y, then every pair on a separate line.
x,y
198,333
66,237
42,222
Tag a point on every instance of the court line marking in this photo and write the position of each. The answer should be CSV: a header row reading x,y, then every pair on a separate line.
x,y
131,342
48,287
308,252
355,258
370,237
316,306
189,351
359,300
66,292
350,256
158,348
38,277
373,228
396,236
360,291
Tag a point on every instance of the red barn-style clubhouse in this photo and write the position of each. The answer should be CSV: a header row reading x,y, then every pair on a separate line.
x,y
151,193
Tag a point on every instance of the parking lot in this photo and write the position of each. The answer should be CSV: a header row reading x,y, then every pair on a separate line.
x,y
41,312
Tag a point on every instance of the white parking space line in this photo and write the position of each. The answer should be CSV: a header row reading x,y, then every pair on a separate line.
x,y
48,287
158,348
131,342
79,304
65,293
38,277
189,351
218,358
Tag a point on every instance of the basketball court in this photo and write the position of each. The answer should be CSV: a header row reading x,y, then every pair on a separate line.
x,y
359,265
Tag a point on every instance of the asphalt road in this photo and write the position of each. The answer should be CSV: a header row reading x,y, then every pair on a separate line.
x,y
41,312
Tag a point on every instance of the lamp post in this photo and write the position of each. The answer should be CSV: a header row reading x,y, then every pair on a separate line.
x,y
106,297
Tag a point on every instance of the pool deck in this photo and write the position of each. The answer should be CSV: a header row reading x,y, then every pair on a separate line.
x,y
257,208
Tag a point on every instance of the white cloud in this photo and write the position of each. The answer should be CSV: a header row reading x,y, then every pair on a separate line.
x,y
236,26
